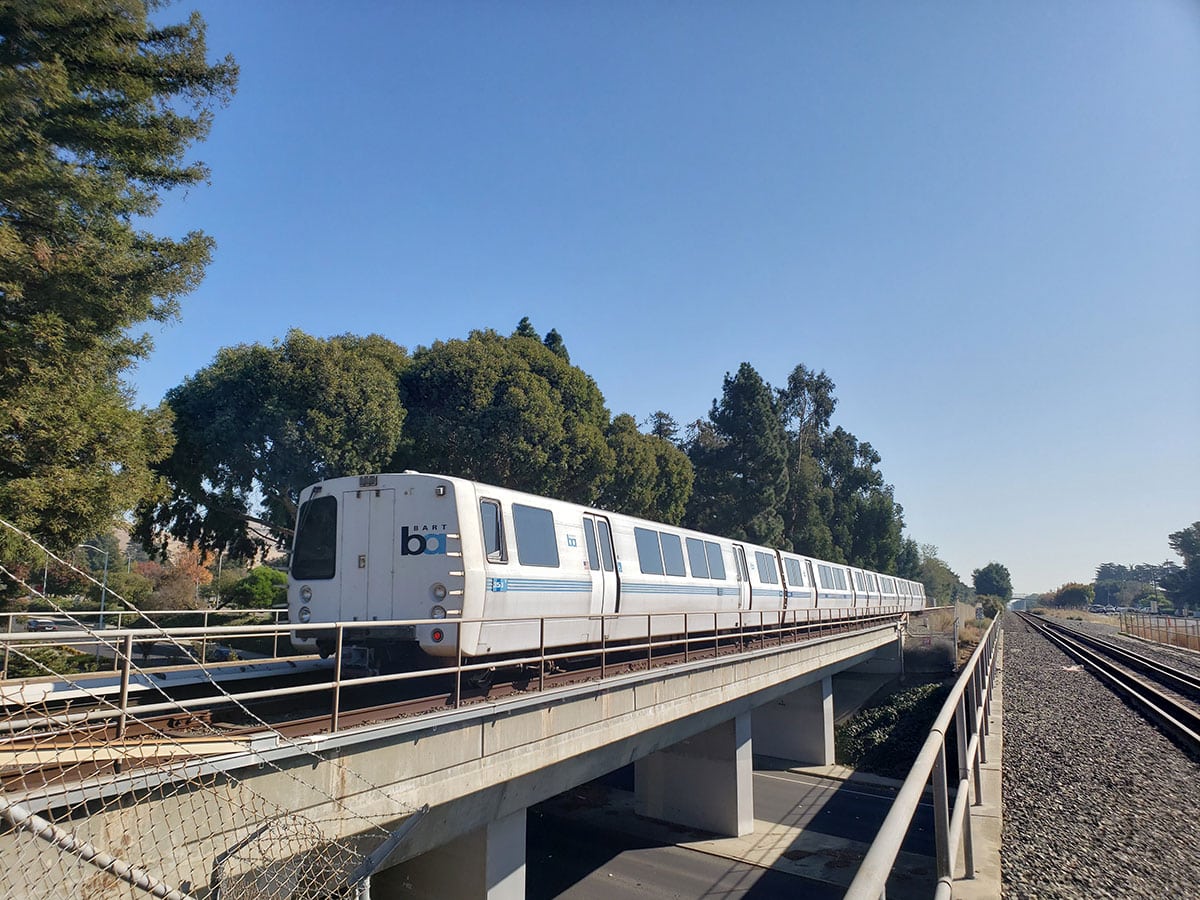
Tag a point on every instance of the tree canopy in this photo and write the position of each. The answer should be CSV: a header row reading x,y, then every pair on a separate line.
x,y
1183,584
993,579
97,110
506,411
260,423
740,459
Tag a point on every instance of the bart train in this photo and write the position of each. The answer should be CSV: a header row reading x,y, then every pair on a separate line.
x,y
410,546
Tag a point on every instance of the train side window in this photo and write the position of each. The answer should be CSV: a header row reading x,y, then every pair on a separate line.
x,y
315,553
766,567
649,553
794,573
606,550
826,575
493,531
672,550
716,563
537,544
589,538
696,558
839,577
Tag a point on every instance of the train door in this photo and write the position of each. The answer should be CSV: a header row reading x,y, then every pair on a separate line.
x,y
745,590
368,535
598,537
812,579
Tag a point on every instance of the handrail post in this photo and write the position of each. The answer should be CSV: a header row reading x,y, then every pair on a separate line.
x,y
275,636
603,647
941,815
204,642
649,643
337,680
126,657
542,657
8,638
458,659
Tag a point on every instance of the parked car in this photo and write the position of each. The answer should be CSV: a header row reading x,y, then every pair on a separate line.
x,y
41,625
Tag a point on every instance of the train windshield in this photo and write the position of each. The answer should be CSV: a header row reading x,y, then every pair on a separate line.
x,y
315,553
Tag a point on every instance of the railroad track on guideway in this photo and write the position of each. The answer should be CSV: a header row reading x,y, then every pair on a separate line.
x,y
70,745
1167,696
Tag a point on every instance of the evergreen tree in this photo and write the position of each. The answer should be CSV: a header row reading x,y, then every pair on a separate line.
x,y
663,425
652,478
261,423
97,109
741,464
506,411
555,344
993,579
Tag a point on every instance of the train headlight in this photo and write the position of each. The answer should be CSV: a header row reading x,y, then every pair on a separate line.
x,y
439,591
306,593
304,615
438,612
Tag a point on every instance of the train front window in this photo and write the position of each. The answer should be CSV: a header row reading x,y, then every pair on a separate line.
x,y
315,553
493,531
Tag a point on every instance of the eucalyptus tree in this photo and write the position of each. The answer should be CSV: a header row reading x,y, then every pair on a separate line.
x,y
98,107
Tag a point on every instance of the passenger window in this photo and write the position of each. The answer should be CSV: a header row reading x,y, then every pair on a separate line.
x,y
716,562
606,550
696,558
493,531
589,538
649,554
766,567
537,544
672,550
826,575
794,573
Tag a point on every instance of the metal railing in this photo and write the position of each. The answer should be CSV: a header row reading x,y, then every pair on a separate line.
x,y
1170,630
967,707
757,629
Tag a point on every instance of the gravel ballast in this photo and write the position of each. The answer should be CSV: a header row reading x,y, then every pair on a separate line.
x,y
1097,802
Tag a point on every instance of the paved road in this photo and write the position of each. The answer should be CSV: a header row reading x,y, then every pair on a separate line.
x,y
811,834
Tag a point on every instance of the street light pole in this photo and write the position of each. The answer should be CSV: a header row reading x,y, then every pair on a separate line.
x,y
104,583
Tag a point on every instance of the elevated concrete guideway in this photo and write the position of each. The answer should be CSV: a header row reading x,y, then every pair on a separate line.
x,y
690,729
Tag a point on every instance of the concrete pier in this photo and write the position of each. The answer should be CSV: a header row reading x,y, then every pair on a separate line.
x,y
798,726
705,781
488,863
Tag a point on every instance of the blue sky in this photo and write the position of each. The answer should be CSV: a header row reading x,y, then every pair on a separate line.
x,y
981,220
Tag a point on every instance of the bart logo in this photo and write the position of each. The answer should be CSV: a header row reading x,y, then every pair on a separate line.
x,y
412,544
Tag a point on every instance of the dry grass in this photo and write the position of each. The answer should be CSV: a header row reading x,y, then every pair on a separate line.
x,y
1078,615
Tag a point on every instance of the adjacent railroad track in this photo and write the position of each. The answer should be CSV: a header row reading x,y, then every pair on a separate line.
x,y
1167,696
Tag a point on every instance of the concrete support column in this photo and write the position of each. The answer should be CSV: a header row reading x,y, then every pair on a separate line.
x,y
704,782
487,864
798,726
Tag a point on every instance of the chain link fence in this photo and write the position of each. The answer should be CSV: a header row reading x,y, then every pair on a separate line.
x,y
104,798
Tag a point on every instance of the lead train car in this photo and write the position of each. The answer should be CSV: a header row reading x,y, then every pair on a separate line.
x,y
379,548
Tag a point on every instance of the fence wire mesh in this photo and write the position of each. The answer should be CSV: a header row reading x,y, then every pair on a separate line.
x,y
99,800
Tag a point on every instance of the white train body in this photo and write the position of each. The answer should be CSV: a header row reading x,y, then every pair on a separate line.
x,y
381,548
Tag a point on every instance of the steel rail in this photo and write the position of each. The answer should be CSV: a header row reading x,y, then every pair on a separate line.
x,y
1176,679
1179,720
